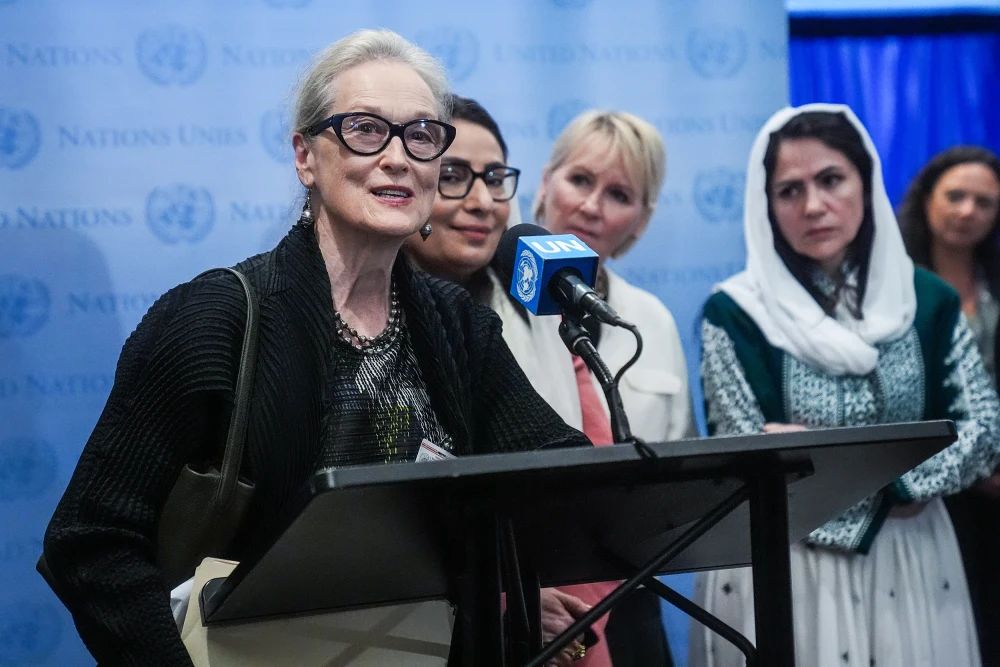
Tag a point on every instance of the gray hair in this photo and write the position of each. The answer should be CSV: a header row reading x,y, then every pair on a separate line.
x,y
316,92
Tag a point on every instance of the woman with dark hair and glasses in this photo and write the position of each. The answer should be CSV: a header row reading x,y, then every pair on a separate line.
x,y
472,207
470,214
949,220
359,358
831,325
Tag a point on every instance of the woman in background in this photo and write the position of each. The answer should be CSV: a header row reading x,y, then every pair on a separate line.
x,y
949,221
601,183
473,207
470,214
831,325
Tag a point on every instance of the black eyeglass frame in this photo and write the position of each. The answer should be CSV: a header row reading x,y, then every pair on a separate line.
x,y
336,123
482,175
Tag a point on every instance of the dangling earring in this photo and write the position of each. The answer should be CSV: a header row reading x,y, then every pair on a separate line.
x,y
426,230
306,217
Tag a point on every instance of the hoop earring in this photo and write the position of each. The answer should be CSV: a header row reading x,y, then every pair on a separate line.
x,y
426,230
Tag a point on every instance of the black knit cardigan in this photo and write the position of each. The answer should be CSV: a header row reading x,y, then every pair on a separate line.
x,y
170,405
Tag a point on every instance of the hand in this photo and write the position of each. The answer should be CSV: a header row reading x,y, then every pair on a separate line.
x,y
559,611
775,427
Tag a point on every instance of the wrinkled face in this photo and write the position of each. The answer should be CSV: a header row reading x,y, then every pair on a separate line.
x,y
593,196
388,194
466,231
962,207
817,199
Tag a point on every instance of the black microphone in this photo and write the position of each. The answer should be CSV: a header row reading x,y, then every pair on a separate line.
x,y
566,285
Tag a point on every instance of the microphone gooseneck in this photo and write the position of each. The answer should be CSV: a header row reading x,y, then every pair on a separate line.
x,y
577,339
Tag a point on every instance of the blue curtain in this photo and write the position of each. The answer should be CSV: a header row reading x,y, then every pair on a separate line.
x,y
917,94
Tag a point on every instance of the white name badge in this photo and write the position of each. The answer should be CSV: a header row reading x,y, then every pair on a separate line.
x,y
431,452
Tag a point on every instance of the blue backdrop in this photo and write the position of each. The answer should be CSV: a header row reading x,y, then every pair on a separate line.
x,y
141,143
917,93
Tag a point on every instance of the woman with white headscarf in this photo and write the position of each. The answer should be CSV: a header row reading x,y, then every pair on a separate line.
x,y
831,325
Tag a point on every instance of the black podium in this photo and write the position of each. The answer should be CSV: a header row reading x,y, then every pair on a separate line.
x,y
465,529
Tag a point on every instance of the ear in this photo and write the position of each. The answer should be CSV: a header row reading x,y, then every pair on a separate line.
x,y
304,160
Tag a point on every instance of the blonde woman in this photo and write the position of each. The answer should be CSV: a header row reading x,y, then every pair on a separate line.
x,y
601,183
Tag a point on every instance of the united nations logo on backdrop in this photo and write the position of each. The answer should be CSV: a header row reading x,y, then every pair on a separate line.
x,y
171,55
24,306
20,138
717,52
276,136
27,469
718,194
29,632
457,48
562,113
180,213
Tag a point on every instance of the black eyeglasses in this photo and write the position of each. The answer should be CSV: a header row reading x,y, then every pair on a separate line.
x,y
457,178
368,134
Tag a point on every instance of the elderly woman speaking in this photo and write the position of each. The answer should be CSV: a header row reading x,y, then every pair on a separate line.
x,y
359,357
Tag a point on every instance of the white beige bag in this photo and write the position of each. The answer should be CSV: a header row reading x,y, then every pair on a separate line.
x,y
417,635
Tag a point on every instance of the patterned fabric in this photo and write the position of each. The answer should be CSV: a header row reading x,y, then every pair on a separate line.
x,y
893,392
928,373
733,409
380,407
974,408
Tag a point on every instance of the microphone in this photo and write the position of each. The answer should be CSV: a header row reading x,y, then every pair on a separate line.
x,y
550,273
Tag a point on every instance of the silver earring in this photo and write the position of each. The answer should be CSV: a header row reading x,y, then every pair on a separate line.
x,y
426,230
306,217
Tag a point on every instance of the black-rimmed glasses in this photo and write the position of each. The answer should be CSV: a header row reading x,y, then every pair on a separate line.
x,y
367,134
456,181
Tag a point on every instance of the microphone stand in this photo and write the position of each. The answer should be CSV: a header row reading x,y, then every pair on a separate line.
x,y
577,339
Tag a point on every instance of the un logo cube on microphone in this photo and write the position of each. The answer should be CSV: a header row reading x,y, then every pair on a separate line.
x,y
538,259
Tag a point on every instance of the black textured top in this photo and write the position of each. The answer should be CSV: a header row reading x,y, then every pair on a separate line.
x,y
170,405
381,408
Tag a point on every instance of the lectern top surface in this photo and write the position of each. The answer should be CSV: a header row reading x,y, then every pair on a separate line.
x,y
363,536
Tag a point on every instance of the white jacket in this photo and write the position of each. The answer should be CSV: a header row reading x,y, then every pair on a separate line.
x,y
655,390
